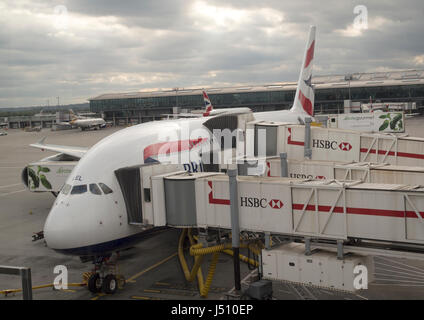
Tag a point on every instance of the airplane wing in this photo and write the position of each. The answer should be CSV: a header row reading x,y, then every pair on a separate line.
x,y
77,152
216,112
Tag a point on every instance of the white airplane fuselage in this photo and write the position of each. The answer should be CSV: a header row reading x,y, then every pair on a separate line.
x,y
88,123
90,224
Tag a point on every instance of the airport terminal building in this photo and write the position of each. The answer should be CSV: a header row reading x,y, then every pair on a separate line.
x,y
330,93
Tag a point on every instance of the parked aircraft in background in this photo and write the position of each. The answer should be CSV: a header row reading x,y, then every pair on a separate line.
x,y
86,122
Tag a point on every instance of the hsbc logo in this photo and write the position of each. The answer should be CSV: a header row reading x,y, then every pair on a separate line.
x,y
345,146
333,145
252,202
304,176
276,204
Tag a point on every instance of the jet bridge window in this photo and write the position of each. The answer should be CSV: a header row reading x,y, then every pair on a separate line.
x,y
66,188
94,189
105,188
79,189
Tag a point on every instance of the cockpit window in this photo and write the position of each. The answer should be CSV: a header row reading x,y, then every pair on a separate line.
x,y
80,189
94,189
105,188
66,188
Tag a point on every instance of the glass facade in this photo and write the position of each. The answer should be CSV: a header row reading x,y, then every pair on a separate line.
x,y
328,100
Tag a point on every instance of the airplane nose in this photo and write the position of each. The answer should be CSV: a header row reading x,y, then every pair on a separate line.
x,y
56,230
71,228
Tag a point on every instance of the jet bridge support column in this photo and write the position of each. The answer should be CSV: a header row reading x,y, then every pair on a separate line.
x,y
308,150
284,166
340,253
235,227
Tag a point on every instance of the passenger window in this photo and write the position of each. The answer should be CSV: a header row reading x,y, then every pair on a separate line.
x,y
105,188
80,189
94,189
66,188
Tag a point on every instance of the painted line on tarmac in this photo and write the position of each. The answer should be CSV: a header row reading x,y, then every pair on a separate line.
x,y
6,194
402,264
11,185
132,279
144,298
397,284
98,296
405,270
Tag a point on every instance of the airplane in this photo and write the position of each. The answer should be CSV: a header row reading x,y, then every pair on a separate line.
x,y
209,110
89,217
86,123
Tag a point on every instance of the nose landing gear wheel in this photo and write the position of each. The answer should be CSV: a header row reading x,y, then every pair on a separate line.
x,y
94,283
110,284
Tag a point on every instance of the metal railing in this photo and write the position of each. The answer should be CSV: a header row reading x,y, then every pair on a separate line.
x,y
25,274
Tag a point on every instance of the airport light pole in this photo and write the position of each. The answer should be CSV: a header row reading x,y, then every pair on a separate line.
x,y
235,227
176,97
349,78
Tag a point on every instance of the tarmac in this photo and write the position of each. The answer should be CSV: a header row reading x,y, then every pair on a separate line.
x,y
151,268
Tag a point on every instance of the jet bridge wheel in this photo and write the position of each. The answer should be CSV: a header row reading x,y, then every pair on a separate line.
x,y
110,284
94,283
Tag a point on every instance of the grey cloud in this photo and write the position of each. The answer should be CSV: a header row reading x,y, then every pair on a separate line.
x,y
156,44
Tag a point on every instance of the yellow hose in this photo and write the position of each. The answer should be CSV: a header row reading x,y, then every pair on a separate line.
x,y
212,267
8,291
242,258
197,250
199,272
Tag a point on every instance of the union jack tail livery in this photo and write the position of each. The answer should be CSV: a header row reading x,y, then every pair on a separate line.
x,y
208,105
304,99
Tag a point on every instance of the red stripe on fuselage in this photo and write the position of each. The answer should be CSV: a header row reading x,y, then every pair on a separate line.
x,y
170,147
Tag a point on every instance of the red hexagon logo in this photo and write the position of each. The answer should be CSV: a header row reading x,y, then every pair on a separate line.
x,y
345,146
276,204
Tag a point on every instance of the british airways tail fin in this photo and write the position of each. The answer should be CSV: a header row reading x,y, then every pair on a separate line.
x,y
72,114
304,98
208,105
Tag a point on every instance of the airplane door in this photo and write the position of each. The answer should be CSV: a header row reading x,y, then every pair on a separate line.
x,y
129,181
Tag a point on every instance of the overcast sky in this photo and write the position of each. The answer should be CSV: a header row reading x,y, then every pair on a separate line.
x,y
79,49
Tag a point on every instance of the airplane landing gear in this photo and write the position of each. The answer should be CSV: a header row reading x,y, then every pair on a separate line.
x,y
110,284
94,283
105,276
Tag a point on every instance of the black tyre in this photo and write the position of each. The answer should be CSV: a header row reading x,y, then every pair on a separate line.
x,y
94,283
110,284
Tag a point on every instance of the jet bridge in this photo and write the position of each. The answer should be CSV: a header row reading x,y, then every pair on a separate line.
x,y
328,144
326,209
314,169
